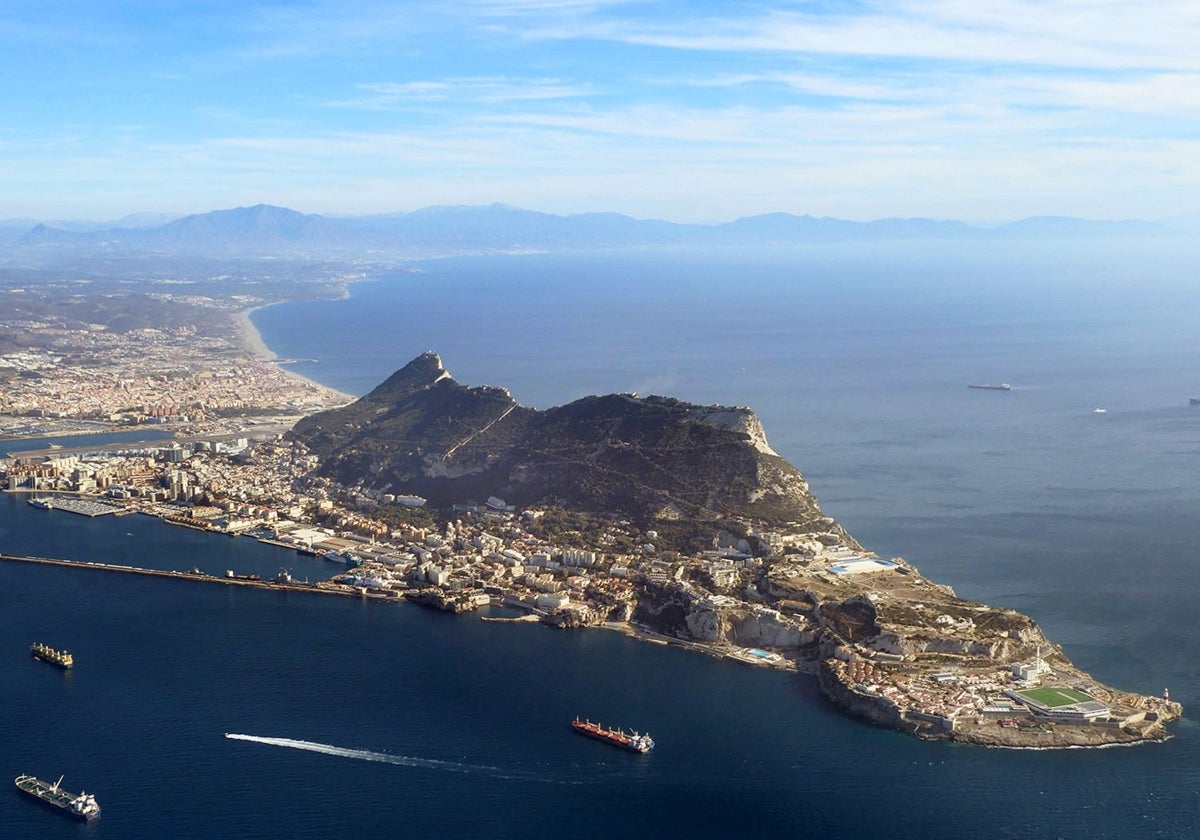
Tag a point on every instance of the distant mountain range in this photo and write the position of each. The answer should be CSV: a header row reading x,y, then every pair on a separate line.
x,y
265,230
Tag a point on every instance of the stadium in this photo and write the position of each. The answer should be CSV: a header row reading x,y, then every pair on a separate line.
x,y
1057,701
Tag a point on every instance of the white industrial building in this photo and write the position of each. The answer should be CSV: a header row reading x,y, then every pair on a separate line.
x,y
552,600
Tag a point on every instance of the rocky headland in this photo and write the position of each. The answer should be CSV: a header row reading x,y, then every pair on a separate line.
x,y
727,551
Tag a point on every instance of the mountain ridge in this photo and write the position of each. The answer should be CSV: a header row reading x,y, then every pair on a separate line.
x,y
268,230
643,458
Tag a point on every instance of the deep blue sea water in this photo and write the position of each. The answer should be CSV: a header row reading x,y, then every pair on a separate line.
x,y
857,360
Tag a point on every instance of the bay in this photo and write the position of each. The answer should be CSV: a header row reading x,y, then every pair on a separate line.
x,y
856,359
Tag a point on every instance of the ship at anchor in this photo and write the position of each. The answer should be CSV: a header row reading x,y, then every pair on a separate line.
x,y
59,658
81,806
632,741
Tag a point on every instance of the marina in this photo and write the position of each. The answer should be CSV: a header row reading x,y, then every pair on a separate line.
x,y
83,507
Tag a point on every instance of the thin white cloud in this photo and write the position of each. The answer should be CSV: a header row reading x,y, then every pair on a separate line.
x,y
463,91
334,26
541,7
979,108
387,94
1173,94
1063,33
295,32
808,83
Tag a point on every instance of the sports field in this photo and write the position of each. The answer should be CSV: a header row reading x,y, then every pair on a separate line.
x,y
1053,698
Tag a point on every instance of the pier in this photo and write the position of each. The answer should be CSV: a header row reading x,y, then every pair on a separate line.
x,y
323,588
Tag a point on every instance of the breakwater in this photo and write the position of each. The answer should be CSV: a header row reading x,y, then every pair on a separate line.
x,y
322,588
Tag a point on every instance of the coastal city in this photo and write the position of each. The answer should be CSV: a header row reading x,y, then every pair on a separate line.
x,y
812,601
69,378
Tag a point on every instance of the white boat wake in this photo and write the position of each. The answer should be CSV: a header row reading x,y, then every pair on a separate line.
x,y
389,758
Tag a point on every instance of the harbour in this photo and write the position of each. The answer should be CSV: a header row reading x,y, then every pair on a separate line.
x,y
348,681
242,644
528,613
81,506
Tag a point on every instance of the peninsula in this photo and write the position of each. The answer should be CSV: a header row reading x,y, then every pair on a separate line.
x,y
681,519
668,520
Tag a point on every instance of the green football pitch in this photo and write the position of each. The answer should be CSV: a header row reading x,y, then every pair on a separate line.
x,y
1052,698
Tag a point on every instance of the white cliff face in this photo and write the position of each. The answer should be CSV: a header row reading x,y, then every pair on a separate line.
x,y
706,625
770,629
972,631
747,628
889,642
738,419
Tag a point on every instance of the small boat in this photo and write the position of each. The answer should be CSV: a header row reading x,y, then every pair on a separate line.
x,y
1003,386
1193,400
1099,411
632,741
81,806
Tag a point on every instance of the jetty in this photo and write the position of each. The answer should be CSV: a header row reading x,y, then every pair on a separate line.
x,y
195,576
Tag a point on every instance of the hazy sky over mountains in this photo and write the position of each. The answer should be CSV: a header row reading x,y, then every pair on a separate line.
x,y
690,111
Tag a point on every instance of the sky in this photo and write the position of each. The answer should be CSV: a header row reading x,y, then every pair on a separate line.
x,y
980,110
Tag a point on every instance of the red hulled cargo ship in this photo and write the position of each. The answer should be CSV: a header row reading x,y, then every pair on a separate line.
x,y
632,741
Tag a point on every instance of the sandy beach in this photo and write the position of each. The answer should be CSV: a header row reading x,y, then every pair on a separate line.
x,y
251,339
252,342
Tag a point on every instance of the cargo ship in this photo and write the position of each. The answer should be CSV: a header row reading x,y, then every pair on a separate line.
x,y
81,806
1003,386
634,742
60,658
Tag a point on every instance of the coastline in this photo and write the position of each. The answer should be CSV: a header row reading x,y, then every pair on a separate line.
x,y
252,342
921,723
1048,734
839,685
251,339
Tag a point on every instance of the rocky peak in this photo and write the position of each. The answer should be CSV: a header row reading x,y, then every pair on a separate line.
x,y
422,372
643,458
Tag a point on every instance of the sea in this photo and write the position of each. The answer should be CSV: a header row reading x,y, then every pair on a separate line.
x,y
205,711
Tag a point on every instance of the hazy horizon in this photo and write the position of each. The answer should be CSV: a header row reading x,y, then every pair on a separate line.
x,y
147,218
659,109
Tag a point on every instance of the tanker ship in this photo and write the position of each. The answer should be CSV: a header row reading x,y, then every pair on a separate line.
x,y
81,806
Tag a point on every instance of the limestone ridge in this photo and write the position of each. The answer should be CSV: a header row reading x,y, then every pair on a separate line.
x,y
644,458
